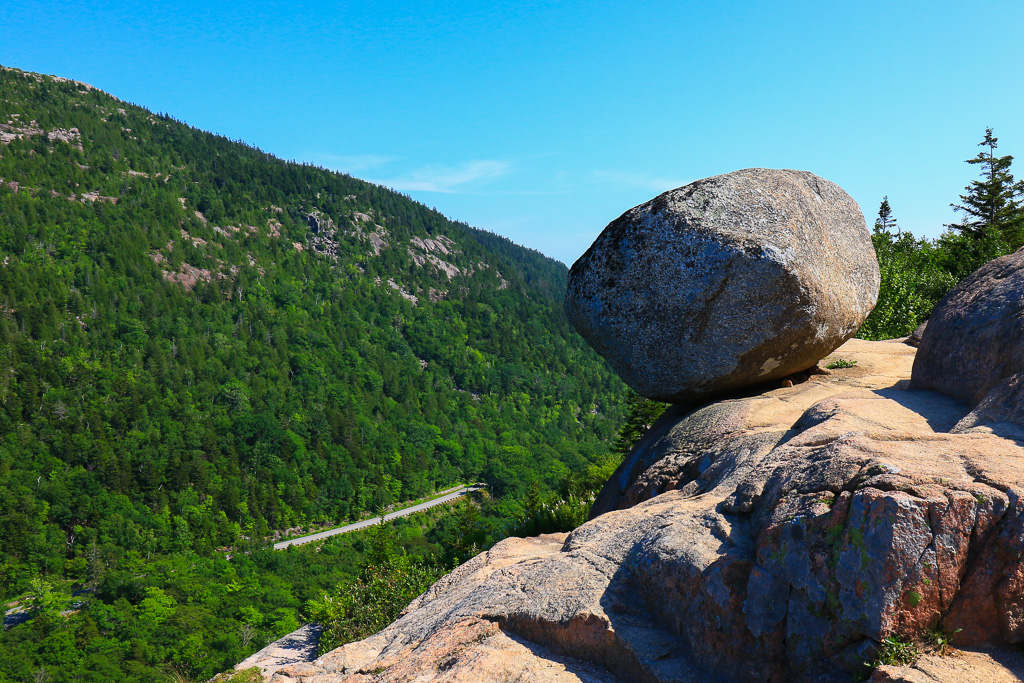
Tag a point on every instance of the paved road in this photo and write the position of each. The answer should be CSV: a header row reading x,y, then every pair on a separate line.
x,y
441,500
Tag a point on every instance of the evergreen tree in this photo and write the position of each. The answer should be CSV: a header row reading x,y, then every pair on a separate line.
x,y
641,414
992,207
885,221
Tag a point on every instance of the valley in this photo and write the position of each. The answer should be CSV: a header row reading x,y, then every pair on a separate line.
x,y
201,344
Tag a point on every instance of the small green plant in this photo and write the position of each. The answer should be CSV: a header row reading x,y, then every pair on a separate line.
x,y
841,363
894,652
942,640
915,598
828,499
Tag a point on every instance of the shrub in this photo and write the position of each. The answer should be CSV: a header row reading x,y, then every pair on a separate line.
x,y
385,587
894,652
913,279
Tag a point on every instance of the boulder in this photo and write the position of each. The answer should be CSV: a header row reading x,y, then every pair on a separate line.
x,y
975,336
915,337
777,537
725,283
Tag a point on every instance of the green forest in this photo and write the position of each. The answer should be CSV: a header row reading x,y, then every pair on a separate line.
x,y
201,344
203,347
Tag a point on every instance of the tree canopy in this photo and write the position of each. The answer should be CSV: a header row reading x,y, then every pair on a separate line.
x,y
992,206
916,273
202,345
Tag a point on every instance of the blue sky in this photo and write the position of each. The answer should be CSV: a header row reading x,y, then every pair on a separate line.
x,y
544,121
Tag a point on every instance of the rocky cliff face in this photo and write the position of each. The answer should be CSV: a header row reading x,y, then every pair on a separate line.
x,y
776,537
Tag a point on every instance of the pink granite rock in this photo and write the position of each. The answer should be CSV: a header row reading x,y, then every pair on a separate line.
x,y
778,537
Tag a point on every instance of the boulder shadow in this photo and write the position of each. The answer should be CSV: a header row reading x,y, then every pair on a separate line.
x,y
941,412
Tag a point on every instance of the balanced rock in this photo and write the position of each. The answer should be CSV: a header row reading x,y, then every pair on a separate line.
x,y
727,282
975,339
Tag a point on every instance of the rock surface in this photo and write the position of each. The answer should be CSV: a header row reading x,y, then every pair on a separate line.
x,y
915,337
668,292
975,336
995,665
1000,412
298,646
777,537
442,639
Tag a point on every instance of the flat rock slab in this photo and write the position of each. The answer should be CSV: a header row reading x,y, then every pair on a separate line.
x,y
997,665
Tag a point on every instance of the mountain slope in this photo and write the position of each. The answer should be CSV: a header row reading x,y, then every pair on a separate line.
x,y
200,342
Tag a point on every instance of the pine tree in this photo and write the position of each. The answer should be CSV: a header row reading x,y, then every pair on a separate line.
x,y
641,414
993,205
885,221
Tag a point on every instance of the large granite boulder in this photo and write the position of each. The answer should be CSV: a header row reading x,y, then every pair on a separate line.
x,y
975,337
725,283
778,537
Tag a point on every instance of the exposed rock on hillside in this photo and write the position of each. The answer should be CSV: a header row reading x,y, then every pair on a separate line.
x,y
377,237
322,237
724,283
423,251
974,339
778,537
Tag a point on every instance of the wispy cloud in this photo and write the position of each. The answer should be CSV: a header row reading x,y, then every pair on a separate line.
x,y
648,182
448,179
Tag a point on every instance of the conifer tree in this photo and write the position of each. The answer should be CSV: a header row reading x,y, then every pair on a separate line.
x,y
641,414
885,221
993,205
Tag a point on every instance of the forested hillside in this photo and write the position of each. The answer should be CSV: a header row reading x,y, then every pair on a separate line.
x,y
201,343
